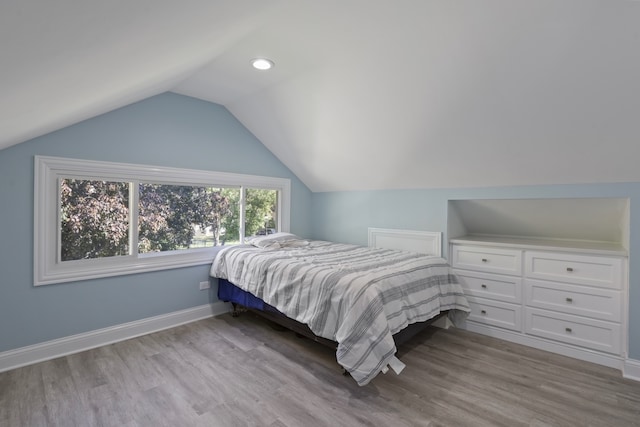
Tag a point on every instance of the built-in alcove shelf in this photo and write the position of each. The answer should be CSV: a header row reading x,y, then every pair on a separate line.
x,y
589,225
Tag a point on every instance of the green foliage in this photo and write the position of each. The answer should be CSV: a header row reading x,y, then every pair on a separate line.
x,y
94,219
95,216
164,217
168,214
231,223
260,209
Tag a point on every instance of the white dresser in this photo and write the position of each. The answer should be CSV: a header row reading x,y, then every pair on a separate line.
x,y
569,297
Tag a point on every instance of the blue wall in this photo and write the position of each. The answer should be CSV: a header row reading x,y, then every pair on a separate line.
x,y
345,217
165,130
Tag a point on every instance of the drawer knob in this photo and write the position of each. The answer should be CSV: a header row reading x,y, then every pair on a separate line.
x,y
568,330
483,311
569,269
569,300
483,286
484,260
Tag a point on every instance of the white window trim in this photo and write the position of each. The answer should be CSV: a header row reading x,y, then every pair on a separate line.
x,y
47,172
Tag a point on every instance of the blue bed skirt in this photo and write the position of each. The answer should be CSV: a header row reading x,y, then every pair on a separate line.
x,y
228,292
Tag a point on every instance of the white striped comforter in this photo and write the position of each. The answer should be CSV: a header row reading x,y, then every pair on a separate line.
x,y
354,295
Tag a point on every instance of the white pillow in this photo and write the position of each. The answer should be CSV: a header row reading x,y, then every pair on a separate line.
x,y
276,240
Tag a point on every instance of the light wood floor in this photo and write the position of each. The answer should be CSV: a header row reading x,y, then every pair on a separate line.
x,y
240,372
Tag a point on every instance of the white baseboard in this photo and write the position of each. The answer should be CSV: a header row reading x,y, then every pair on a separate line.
x,y
76,343
631,369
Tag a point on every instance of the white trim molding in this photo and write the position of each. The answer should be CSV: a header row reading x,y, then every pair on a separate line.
x,y
426,242
631,369
76,343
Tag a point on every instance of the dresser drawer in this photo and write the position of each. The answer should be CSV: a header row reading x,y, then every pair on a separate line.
x,y
580,269
490,260
576,330
495,313
604,304
493,286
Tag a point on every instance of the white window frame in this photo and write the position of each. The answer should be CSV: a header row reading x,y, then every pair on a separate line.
x,y
49,171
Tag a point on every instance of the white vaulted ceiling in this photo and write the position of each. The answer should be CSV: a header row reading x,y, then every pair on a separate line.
x,y
365,94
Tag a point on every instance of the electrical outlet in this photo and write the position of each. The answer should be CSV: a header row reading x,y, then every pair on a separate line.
x,y
204,285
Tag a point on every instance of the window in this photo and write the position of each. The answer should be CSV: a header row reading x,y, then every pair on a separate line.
x,y
97,219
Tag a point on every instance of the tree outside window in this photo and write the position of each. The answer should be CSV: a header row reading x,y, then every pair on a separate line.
x,y
95,217
99,219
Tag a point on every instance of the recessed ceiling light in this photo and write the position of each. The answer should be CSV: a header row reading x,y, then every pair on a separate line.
x,y
262,63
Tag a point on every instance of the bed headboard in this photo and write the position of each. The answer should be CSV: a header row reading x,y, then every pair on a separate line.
x,y
426,242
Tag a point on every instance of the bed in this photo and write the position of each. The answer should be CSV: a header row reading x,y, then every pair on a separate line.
x,y
357,297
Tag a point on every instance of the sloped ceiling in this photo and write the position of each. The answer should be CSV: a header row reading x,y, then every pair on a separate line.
x,y
365,94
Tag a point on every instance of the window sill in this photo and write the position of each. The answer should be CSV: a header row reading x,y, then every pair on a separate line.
x,y
156,262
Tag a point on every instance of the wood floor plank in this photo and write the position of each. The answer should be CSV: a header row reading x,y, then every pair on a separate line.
x,y
22,399
241,372
64,402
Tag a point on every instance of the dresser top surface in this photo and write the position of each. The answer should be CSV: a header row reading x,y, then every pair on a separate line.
x,y
581,246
